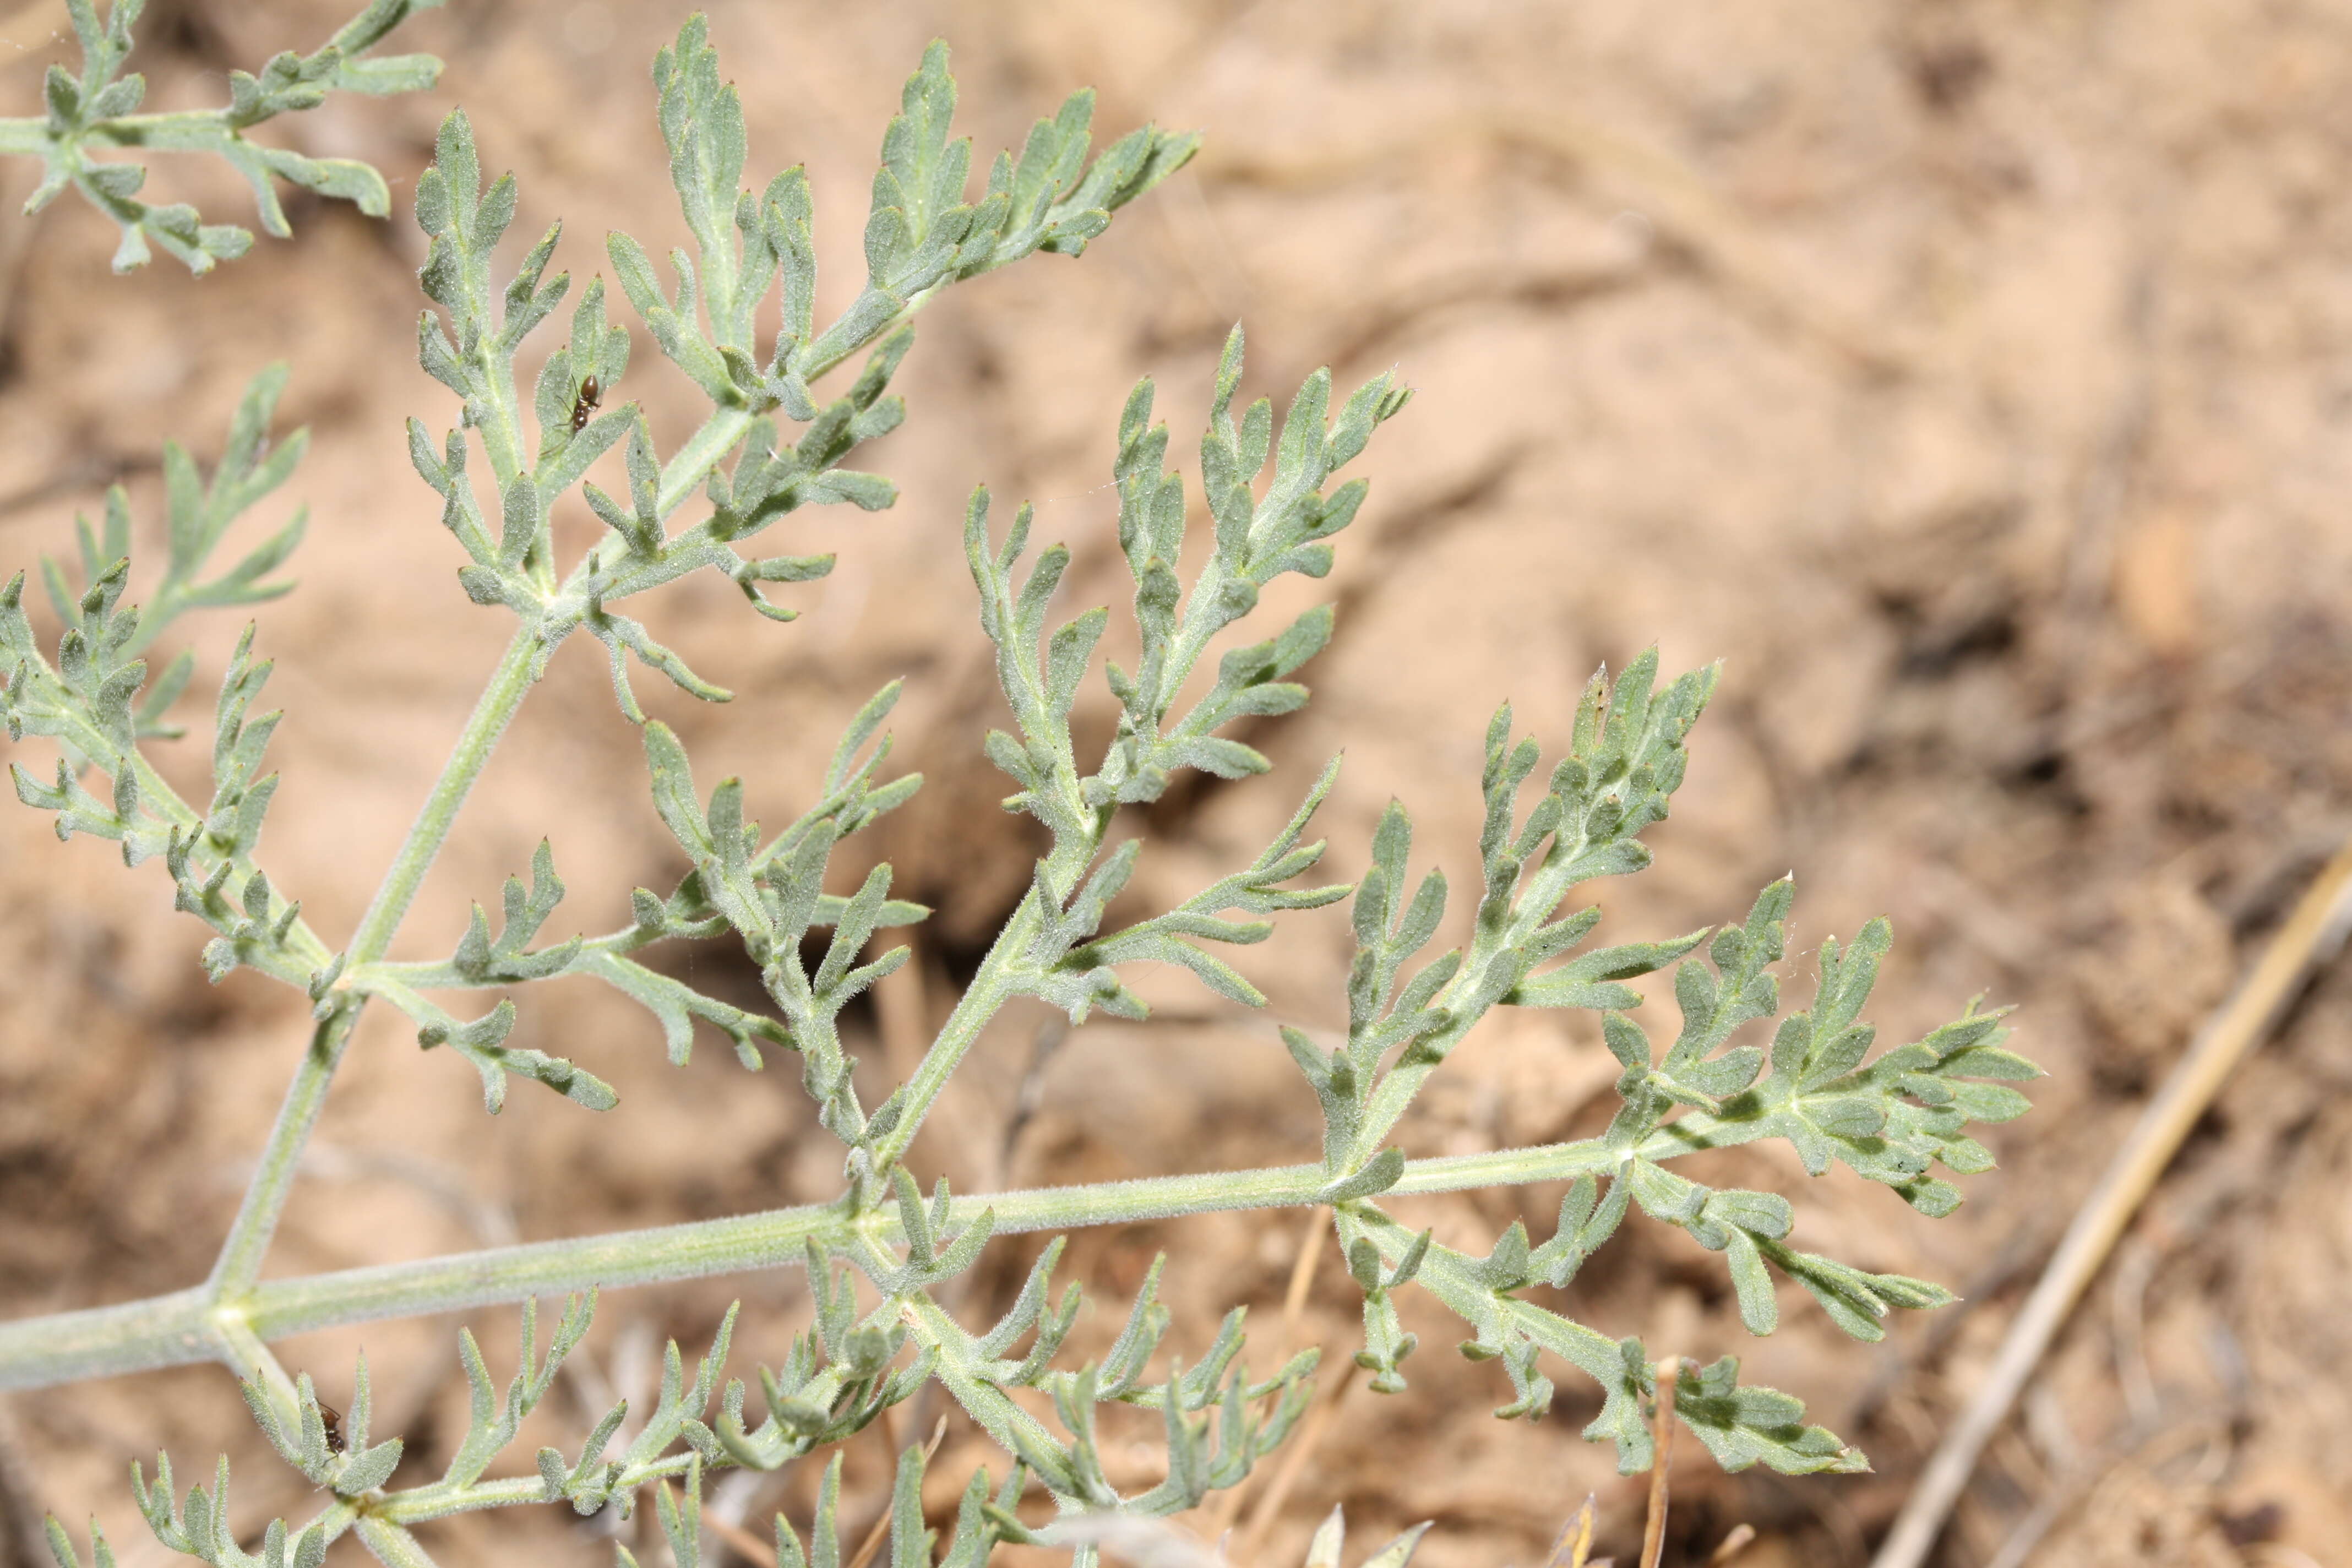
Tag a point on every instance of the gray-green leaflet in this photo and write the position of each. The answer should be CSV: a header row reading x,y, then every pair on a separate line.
x,y
1083,739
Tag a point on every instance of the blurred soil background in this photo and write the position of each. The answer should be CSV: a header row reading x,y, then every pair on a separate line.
x,y
1973,377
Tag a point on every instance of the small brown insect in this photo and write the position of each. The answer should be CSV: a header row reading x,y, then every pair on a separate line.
x,y
332,1419
591,395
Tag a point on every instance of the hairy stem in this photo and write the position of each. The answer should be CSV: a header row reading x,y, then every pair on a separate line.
x,y
248,1240
242,1352
240,1263
988,1405
1452,1278
500,698
248,1244
1395,1092
170,1331
986,993
394,1547
438,1502
303,953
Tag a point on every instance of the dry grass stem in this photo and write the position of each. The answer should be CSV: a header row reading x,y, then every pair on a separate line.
x,y
2310,937
740,1540
1662,1460
1294,1464
1302,1275
1572,1547
1742,1537
1294,1304
881,1531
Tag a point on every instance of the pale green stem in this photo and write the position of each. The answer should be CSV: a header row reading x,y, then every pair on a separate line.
x,y
440,974
264,1199
1200,625
1395,1092
824,354
500,698
240,1263
1200,621
335,1520
984,1401
1447,1274
105,1342
990,990
432,1503
242,1352
195,1325
501,439
242,1252
708,447
703,451
304,951
170,130
170,1331
394,1547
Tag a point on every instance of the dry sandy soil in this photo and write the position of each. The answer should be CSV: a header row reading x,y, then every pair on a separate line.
x,y
1974,378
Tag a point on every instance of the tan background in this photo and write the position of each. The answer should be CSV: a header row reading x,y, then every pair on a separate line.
x,y
1970,376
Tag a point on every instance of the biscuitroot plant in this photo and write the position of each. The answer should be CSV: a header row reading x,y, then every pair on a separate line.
x,y
97,112
877,1255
